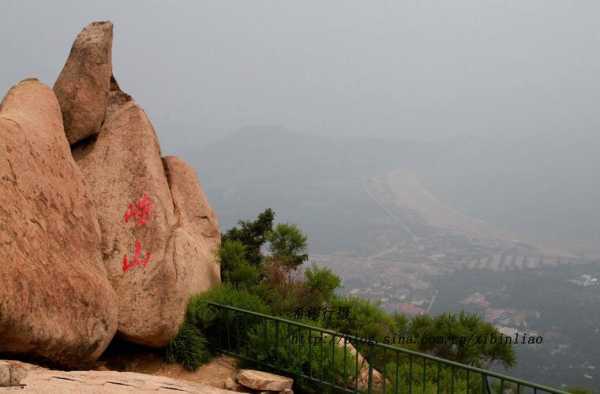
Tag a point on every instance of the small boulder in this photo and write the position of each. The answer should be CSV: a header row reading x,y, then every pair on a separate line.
x,y
259,380
83,85
11,373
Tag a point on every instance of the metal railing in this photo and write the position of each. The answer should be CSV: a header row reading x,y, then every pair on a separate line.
x,y
322,360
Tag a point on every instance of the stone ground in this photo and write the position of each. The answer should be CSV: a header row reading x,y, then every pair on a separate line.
x,y
213,374
47,381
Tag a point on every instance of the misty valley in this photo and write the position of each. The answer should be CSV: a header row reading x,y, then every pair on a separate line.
x,y
383,217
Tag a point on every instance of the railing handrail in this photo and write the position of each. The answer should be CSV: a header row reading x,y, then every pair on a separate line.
x,y
394,348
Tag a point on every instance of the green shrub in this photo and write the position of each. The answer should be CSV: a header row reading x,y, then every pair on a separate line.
x,y
424,378
235,268
203,324
288,245
284,294
478,350
208,319
188,348
321,283
579,390
363,319
253,235
270,284
291,348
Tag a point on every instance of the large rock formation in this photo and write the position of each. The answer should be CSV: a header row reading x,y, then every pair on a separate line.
x,y
83,85
65,289
55,299
121,165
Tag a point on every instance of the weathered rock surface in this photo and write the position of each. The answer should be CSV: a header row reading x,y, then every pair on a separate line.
x,y
83,85
191,204
121,165
11,373
259,380
213,373
55,299
64,291
197,237
41,380
232,385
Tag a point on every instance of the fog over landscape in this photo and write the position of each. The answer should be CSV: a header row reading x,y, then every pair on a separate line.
x,y
503,90
436,154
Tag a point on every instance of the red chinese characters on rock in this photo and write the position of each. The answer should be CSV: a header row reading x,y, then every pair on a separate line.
x,y
140,212
137,258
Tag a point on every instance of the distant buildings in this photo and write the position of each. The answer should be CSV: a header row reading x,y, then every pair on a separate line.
x,y
585,280
410,309
476,299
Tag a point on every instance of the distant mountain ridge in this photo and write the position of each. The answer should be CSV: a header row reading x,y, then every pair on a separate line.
x,y
535,186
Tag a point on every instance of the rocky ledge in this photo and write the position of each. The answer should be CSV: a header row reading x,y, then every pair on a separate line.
x,y
34,379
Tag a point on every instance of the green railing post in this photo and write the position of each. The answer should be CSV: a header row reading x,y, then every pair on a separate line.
x,y
333,360
410,373
439,381
384,371
310,340
397,383
322,361
277,339
424,375
370,360
236,340
345,375
483,384
357,373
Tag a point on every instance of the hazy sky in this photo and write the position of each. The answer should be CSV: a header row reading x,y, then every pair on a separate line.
x,y
424,69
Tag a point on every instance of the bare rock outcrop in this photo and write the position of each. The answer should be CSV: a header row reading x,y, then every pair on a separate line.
x,y
55,299
83,85
265,381
121,165
70,168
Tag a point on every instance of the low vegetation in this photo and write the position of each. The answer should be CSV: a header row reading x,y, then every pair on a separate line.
x,y
263,270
